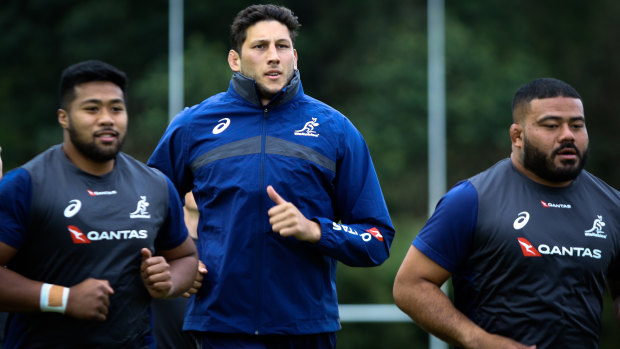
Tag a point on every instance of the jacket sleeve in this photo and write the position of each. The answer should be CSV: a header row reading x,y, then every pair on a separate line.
x,y
171,156
363,232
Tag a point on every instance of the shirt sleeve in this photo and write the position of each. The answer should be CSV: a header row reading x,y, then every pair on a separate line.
x,y
447,235
173,231
15,191
363,232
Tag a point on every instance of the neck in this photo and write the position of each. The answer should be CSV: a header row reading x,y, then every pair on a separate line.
x,y
86,164
518,164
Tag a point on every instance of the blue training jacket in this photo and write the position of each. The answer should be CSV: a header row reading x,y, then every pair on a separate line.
x,y
227,150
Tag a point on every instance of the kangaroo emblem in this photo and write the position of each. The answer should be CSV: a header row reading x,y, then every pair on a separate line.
x,y
597,228
141,211
308,129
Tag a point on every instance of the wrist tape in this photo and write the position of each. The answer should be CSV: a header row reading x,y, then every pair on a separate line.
x,y
54,298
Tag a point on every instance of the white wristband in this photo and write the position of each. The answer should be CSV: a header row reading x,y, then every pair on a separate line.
x,y
54,298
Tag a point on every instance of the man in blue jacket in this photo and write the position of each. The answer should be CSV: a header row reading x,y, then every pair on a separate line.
x,y
285,187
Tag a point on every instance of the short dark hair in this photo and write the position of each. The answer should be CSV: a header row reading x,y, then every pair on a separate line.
x,y
256,13
540,89
87,71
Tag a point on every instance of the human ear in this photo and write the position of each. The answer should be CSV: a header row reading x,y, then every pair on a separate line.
x,y
516,135
63,118
234,60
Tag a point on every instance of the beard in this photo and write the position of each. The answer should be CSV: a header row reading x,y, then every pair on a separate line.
x,y
544,167
93,151
265,93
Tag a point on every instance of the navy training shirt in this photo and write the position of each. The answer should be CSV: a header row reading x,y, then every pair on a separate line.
x,y
69,225
528,261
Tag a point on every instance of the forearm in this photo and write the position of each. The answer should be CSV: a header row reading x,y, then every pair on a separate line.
x,y
432,310
18,293
183,273
357,245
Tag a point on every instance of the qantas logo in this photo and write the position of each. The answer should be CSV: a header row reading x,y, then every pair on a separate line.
x,y
529,250
549,204
77,236
97,193
367,236
376,233
80,238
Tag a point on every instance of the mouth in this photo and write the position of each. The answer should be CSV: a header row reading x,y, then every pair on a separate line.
x,y
273,74
106,136
567,152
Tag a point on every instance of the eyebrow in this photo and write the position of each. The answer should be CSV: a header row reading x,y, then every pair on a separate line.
x,y
555,117
256,41
99,101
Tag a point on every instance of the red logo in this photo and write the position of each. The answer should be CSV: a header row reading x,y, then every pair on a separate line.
x,y
528,249
91,193
77,236
544,203
376,233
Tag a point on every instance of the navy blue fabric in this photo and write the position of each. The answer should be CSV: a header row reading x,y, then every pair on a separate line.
x,y
227,150
528,261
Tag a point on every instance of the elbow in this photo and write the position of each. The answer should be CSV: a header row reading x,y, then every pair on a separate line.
x,y
398,293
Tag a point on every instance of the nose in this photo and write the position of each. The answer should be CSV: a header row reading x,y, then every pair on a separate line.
x,y
105,117
566,134
272,55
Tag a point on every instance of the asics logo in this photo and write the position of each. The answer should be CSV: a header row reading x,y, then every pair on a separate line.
x,y
221,126
521,220
73,208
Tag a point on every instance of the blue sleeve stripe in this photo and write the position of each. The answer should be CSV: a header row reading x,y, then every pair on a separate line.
x,y
174,231
447,236
16,193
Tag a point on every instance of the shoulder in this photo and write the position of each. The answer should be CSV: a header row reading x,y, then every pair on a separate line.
x,y
44,159
494,175
13,180
592,183
459,199
211,105
327,115
318,106
138,170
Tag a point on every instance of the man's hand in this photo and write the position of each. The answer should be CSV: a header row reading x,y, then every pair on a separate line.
x,y
287,220
200,272
156,274
89,300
